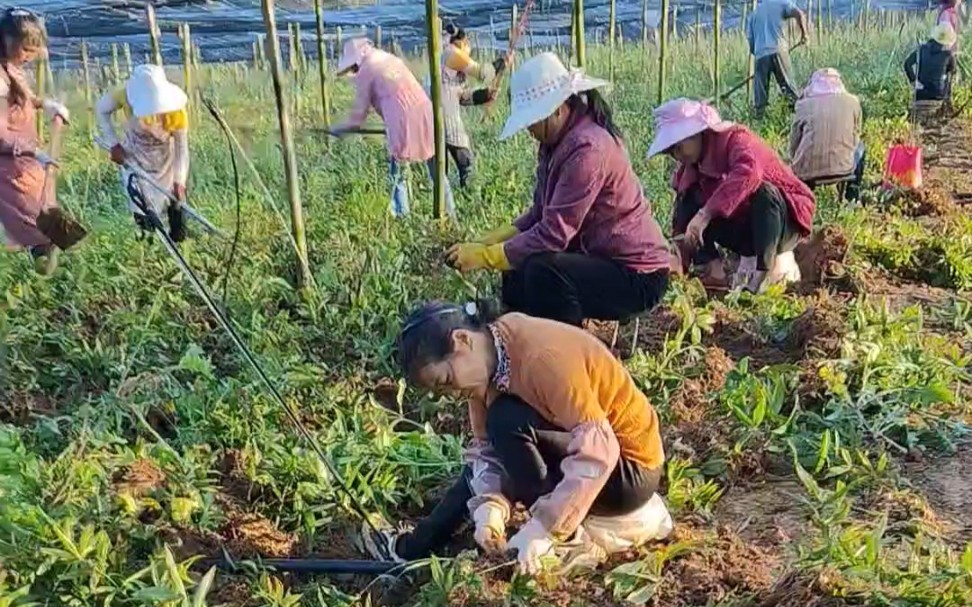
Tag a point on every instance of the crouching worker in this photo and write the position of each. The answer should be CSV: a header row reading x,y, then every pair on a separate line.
x,y
825,137
382,81
156,139
558,425
732,190
588,247
932,66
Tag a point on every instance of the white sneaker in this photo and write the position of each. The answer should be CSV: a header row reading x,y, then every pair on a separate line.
x,y
744,273
379,539
785,270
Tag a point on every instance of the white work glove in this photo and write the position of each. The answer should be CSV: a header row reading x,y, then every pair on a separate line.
x,y
53,109
490,520
531,543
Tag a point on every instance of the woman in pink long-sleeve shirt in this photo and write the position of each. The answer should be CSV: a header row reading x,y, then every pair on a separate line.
x,y
734,191
384,83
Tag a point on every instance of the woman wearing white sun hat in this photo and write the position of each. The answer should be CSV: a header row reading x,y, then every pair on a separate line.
x,y
156,138
588,247
732,190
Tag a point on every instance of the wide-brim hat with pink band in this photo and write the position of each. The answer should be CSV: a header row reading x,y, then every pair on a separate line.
x,y
354,52
679,119
539,87
826,81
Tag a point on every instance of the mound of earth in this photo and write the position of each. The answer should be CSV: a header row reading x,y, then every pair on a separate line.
x,y
821,258
139,478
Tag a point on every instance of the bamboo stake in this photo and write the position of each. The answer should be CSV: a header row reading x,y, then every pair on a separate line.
x,y
830,14
751,64
717,43
675,21
291,49
819,25
287,143
644,23
115,66
153,29
299,45
434,25
514,20
698,28
339,45
86,80
322,64
128,60
378,37
186,36
579,42
663,54
612,15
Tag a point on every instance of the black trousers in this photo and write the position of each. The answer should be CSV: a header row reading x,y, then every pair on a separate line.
x,y
531,449
570,287
778,66
853,188
764,230
463,157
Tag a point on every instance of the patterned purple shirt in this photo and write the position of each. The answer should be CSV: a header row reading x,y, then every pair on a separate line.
x,y
589,200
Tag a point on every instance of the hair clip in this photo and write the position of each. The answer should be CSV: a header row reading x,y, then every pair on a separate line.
x,y
471,308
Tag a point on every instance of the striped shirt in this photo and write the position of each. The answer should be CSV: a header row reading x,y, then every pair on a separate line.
x,y
825,133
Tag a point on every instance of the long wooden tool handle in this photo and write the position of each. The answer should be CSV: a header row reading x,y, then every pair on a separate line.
x,y
48,192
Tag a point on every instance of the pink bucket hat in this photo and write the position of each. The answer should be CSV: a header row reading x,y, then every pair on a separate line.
x,y
355,50
679,119
826,81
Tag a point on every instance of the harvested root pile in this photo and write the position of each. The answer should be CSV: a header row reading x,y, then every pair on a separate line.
x,y
139,478
819,331
821,259
920,203
244,534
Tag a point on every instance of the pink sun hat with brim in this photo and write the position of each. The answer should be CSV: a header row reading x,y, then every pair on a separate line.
x,y
354,52
539,87
679,119
823,82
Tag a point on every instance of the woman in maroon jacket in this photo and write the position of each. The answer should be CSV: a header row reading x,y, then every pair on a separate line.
x,y
734,191
589,246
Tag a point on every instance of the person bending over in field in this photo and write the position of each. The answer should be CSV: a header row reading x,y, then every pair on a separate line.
x,y
732,190
588,247
457,69
932,66
156,139
825,137
558,425
22,163
764,30
383,82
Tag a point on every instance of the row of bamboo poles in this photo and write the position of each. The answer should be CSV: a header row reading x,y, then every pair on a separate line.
x,y
267,56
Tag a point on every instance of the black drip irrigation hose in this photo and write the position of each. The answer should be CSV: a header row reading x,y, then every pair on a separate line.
x,y
156,225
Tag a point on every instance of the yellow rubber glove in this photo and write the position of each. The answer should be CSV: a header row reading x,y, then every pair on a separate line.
x,y
498,235
477,256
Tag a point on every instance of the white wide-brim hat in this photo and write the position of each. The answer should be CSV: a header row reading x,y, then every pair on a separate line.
x,y
679,119
354,51
539,87
149,92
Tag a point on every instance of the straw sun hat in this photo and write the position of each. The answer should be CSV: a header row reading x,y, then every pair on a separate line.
x,y
679,119
944,34
149,92
539,87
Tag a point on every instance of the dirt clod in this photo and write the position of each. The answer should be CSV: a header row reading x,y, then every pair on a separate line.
x,y
139,478
821,258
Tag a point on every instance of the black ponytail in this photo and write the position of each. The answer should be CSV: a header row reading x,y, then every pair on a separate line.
x,y
455,33
596,106
426,334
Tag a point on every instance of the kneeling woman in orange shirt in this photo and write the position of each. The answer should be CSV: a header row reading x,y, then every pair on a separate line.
x,y
558,424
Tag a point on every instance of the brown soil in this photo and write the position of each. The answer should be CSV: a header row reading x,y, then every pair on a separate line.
x,y
653,330
234,480
820,330
724,565
768,514
20,409
946,484
717,365
139,478
385,392
231,594
339,539
696,428
821,258
928,201
733,334
248,535
804,589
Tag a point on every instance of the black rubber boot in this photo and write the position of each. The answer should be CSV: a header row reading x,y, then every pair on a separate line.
x,y
177,223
